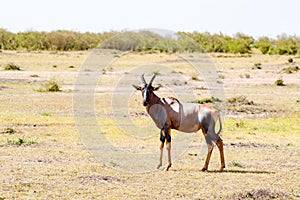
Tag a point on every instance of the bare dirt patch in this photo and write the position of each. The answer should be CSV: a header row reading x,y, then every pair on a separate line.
x,y
260,194
240,105
105,179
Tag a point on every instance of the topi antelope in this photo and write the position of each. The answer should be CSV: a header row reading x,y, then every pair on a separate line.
x,y
169,113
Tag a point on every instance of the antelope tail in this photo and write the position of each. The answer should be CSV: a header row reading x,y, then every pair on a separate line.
x,y
218,133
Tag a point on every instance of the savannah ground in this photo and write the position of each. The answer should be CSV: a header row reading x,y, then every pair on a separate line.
x,y
42,156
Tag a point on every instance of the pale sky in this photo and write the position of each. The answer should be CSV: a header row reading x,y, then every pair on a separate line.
x,y
251,17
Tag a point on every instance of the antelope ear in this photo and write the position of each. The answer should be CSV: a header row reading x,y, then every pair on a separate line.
x,y
137,87
156,88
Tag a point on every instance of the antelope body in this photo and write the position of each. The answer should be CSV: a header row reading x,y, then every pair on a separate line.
x,y
169,113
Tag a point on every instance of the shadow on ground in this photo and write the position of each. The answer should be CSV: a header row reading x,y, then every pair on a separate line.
x,y
241,171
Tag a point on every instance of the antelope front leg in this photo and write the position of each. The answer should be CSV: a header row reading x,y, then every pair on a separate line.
x,y
167,132
161,148
168,147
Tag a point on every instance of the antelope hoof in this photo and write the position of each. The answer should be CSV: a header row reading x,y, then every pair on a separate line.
x,y
222,168
159,165
168,167
204,169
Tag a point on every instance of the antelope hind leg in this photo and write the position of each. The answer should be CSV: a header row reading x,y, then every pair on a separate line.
x,y
210,149
219,144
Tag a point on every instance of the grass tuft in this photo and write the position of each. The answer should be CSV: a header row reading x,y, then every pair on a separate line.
x,y
46,114
8,131
12,66
236,164
290,70
50,86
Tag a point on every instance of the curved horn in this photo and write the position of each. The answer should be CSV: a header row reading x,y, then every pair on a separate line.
x,y
143,79
153,77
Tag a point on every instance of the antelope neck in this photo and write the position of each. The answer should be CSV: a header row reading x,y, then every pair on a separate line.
x,y
154,100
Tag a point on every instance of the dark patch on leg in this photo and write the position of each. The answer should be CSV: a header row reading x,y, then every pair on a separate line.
x,y
167,135
162,137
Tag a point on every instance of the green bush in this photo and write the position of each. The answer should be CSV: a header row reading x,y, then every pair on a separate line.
x,y
264,44
64,40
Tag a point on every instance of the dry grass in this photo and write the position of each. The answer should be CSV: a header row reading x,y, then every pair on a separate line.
x,y
261,150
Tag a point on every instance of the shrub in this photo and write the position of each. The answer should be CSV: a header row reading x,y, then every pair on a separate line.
x,y
290,60
279,82
264,44
7,40
12,66
257,66
222,76
50,86
156,72
290,70
240,100
195,77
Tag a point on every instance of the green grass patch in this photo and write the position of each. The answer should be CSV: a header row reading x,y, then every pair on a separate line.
x,y
46,114
21,141
207,100
278,125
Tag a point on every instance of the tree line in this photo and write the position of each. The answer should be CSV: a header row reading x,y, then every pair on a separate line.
x,y
64,40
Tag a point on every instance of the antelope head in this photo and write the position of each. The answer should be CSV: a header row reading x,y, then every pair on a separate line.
x,y
147,90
